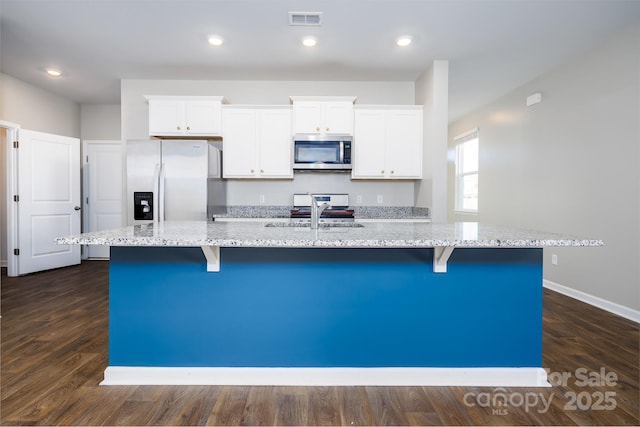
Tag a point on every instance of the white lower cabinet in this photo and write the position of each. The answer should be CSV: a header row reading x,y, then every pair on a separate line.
x,y
388,143
257,142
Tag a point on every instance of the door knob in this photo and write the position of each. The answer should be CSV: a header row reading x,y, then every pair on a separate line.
x,y
77,208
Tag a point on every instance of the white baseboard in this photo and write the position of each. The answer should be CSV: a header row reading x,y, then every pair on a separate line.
x,y
609,306
480,377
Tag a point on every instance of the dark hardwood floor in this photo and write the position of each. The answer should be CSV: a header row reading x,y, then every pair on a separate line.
x,y
54,351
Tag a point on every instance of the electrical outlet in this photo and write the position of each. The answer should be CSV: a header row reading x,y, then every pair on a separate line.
x,y
359,199
380,198
554,259
262,198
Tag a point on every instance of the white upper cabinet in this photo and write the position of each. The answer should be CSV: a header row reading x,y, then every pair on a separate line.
x,y
323,115
185,116
370,144
238,143
257,142
388,143
274,143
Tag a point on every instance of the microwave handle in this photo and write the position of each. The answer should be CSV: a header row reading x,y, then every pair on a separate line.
x,y
341,152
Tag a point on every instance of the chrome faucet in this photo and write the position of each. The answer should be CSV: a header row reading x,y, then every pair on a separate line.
x,y
316,210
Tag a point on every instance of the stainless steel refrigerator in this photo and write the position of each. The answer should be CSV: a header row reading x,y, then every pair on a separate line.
x,y
172,180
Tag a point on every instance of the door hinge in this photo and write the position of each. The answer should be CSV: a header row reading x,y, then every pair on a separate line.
x,y
16,144
16,251
87,200
16,198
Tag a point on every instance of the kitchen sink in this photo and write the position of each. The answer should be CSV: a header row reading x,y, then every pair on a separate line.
x,y
320,226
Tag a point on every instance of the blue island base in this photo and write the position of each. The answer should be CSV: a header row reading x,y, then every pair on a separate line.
x,y
325,316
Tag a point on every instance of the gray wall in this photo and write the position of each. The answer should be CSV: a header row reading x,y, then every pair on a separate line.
x,y
432,91
36,109
100,121
570,164
277,192
3,198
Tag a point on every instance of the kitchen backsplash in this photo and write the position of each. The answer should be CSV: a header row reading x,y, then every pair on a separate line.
x,y
361,212
280,192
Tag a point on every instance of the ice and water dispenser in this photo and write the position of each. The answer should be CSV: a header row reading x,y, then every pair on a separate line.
x,y
143,205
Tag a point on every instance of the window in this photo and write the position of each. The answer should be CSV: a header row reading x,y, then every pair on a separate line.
x,y
467,171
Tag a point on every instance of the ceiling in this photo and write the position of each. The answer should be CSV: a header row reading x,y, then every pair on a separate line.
x,y
492,46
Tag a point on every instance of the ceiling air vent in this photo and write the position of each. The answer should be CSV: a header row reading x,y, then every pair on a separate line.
x,y
305,18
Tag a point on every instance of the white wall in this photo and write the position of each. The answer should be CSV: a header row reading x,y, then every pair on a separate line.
x,y
277,192
570,164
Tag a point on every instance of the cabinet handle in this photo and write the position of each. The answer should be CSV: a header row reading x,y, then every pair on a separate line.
x,y
177,127
317,128
188,128
327,129
251,170
391,171
261,170
382,171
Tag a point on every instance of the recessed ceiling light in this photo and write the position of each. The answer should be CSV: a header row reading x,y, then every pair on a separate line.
x,y
53,73
403,41
309,41
215,40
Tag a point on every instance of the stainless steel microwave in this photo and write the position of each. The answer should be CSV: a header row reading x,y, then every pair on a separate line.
x,y
322,152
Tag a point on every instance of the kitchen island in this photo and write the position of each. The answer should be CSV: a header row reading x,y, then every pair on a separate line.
x,y
375,304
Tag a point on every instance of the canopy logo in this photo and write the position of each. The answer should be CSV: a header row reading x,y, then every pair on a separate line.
x,y
500,401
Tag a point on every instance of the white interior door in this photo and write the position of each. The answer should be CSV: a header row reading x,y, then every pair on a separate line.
x,y
49,200
103,190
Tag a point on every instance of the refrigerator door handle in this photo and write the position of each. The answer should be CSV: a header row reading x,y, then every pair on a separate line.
x,y
156,192
161,192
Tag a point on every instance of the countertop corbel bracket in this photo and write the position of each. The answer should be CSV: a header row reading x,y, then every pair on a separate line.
x,y
212,254
441,255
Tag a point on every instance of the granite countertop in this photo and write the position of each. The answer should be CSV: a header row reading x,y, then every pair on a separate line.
x,y
370,235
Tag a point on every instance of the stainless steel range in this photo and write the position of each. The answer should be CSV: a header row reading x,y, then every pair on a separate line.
x,y
337,210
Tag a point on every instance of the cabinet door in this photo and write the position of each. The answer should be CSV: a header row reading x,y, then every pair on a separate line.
x,y
238,142
274,143
404,144
166,117
369,144
202,118
337,118
307,116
